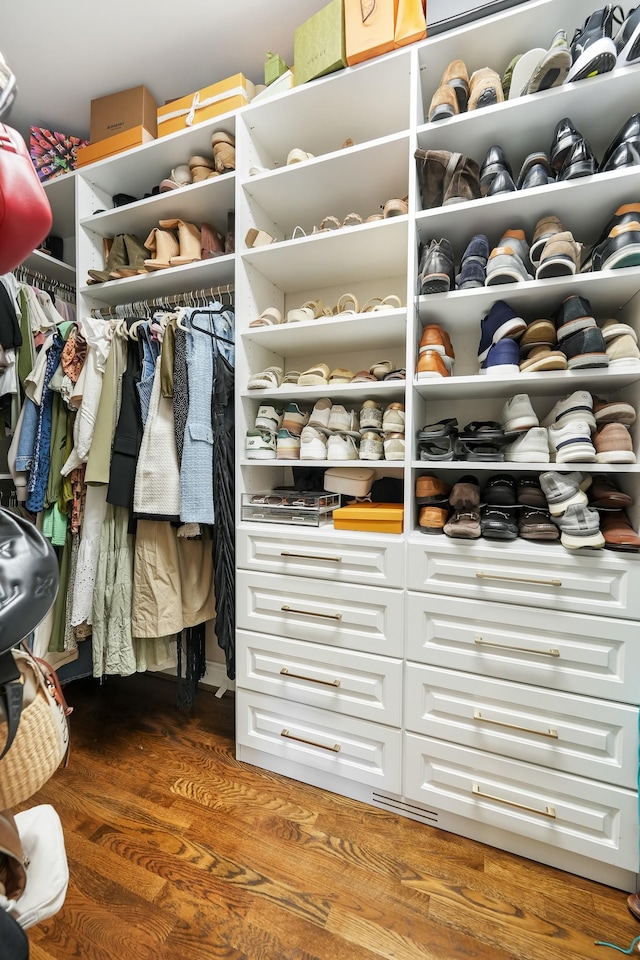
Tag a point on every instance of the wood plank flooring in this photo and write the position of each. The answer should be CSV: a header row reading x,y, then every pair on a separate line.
x,y
178,852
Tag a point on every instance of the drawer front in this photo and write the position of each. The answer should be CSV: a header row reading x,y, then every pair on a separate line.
x,y
353,617
580,735
341,560
580,816
342,746
594,656
599,584
348,682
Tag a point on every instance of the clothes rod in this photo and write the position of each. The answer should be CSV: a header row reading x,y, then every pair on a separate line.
x,y
187,299
25,274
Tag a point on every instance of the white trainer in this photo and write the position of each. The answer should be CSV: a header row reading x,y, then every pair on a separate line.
x,y
268,417
260,445
577,406
313,444
572,443
531,447
320,414
518,414
394,446
341,447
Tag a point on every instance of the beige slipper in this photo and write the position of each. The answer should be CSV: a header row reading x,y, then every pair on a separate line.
x,y
317,376
381,369
298,156
268,318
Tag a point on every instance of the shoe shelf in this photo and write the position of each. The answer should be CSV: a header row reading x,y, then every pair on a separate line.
x,y
347,393
584,205
608,291
51,268
372,251
509,466
376,464
385,328
551,383
136,171
160,283
319,117
598,107
358,179
208,201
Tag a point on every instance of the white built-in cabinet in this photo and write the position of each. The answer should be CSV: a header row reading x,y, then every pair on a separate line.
x,y
484,688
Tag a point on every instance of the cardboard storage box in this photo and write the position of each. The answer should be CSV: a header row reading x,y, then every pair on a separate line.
x,y
122,111
111,145
368,29
370,517
206,103
53,154
318,44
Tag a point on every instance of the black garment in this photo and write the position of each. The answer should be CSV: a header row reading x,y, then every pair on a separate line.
x,y
10,335
223,486
13,940
128,434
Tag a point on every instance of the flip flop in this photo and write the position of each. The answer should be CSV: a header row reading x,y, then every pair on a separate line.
x,y
482,430
268,379
478,451
444,428
441,449
399,374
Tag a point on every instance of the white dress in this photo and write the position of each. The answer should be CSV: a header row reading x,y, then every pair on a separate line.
x,y
94,511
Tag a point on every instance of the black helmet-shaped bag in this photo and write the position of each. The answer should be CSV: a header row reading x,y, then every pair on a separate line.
x,y
28,578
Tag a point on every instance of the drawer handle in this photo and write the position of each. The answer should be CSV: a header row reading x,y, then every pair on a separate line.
x,y
323,746
495,576
312,613
514,726
508,646
549,811
310,556
285,672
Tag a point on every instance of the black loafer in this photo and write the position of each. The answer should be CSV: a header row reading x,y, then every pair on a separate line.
x,y
495,162
626,154
565,136
500,491
501,183
579,162
496,523
630,130
539,175
584,349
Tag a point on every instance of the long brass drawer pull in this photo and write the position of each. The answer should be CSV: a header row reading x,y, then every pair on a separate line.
x,y
549,811
285,672
508,646
309,556
312,613
515,726
495,576
323,746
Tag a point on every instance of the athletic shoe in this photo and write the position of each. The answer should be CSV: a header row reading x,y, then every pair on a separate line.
x,y
394,446
505,266
501,321
623,351
394,418
545,228
560,256
627,39
313,444
593,50
571,443
260,445
268,418
371,447
562,490
620,249
342,420
287,445
473,266
370,416
580,527
518,414
613,411
577,406
553,67
531,447
320,414
294,419
341,446
503,360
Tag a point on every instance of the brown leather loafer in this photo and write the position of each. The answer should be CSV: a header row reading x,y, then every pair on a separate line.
x,y
604,493
465,494
618,533
431,490
432,519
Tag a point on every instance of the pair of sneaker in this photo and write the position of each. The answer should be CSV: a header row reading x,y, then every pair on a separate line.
x,y
567,501
597,49
563,436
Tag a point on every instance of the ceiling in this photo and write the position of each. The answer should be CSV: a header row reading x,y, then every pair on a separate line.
x,y
65,54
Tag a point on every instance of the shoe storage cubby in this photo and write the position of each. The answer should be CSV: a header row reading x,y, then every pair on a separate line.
x,y
364,659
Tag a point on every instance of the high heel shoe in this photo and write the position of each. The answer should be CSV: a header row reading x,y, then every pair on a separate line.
x,y
163,245
115,258
211,243
230,237
224,153
137,253
189,241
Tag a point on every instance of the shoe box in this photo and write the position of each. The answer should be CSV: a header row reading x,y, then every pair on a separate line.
x,y
370,517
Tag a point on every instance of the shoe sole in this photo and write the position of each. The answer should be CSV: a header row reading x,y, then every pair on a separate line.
x,y
495,533
505,274
287,455
576,452
435,283
631,51
502,370
560,266
558,508
566,330
599,57
588,360
430,375
574,542
625,362
628,256
487,98
443,112
461,90
528,456
552,71
262,455
582,168
520,423
616,412
616,456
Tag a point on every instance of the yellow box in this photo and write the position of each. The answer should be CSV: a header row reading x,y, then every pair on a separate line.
x,y
369,29
204,104
371,517
126,140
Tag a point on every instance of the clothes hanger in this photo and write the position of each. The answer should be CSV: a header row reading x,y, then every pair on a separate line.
x,y
209,312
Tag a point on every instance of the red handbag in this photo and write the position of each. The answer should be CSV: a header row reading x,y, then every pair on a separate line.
x,y
25,214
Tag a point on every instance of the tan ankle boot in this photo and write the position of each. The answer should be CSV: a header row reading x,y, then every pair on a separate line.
x,y
444,104
189,240
485,89
164,245
457,77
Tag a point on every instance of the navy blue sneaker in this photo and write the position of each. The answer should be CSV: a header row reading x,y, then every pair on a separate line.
x,y
503,359
473,267
501,321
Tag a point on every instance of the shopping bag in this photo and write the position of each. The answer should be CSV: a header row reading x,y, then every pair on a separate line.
x,y
411,22
369,28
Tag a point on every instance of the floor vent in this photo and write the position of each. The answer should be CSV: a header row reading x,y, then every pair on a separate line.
x,y
405,808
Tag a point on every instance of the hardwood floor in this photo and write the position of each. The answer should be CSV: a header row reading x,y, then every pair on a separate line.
x,y
178,852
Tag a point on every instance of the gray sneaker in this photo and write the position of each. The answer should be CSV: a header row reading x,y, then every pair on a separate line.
x,y
580,527
562,490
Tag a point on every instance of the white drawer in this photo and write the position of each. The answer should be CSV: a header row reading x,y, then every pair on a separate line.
x,y
596,583
591,738
342,746
342,559
570,813
594,656
354,617
344,681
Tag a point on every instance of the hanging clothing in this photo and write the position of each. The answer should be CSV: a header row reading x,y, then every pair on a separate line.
x,y
150,353
111,615
157,482
128,433
88,553
180,388
99,459
96,334
196,469
39,475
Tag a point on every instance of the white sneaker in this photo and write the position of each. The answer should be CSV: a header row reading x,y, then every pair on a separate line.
x,y
577,406
342,420
394,447
371,416
371,446
393,419
518,414
313,444
294,419
268,418
572,443
531,447
260,445
341,447
320,414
